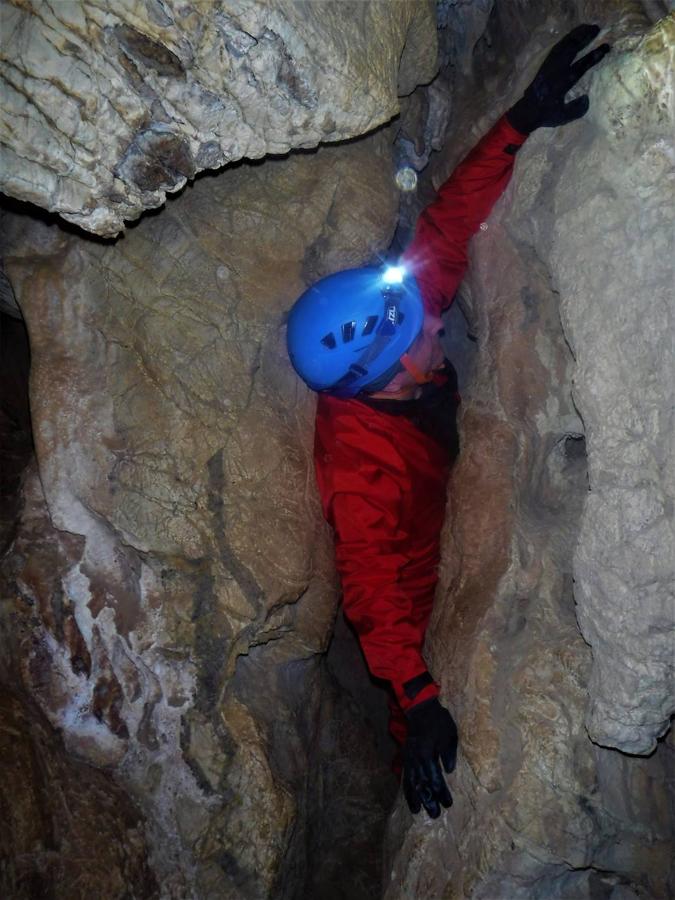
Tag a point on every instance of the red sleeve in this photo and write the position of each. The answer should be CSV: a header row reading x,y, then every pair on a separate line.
x,y
437,255
370,552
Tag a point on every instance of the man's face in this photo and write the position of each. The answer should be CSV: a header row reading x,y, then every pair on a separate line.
x,y
426,351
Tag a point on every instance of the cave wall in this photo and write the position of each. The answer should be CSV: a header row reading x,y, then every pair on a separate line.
x,y
169,593
111,104
624,567
178,531
553,628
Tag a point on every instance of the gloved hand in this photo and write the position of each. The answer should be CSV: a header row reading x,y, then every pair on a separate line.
x,y
543,103
432,736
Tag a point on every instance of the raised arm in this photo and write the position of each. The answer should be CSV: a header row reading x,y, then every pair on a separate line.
x,y
438,253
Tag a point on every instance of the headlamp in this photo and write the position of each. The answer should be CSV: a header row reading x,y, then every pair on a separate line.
x,y
393,275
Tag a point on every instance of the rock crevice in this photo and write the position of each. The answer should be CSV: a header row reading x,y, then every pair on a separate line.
x,y
168,593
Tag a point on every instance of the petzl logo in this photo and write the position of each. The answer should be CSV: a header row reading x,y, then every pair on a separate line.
x,y
391,314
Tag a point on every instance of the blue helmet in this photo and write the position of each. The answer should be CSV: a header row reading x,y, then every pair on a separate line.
x,y
348,331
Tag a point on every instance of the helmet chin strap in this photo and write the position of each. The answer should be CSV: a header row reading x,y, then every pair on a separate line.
x,y
417,374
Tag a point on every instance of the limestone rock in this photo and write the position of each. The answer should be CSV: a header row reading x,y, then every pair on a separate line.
x,y
169,593
177,537
617,191
108,106
565,432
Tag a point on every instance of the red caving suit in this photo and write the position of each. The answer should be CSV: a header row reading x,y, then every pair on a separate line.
x,y
382,480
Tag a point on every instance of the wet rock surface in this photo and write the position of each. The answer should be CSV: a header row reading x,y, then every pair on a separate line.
x,y
109,106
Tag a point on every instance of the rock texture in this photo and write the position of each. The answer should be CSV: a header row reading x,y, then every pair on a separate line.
x,y
169,589
108,105
168,596
67,831
566,433
617,189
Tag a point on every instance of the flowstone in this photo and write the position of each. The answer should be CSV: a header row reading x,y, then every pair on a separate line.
x,y
561,507
616,190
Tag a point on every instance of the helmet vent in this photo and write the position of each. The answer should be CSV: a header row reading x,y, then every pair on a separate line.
x,y
371,322
328,340
348,331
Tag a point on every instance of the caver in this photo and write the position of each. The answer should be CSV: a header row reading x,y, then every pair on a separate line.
x,y
368,341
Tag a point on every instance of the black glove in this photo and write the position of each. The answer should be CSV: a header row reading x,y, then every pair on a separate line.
x,y
543,103
432,735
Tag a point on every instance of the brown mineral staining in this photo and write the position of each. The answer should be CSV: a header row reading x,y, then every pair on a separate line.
x,y
146,733
149,52
118,590
97,601
156,160
107,700
38,576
